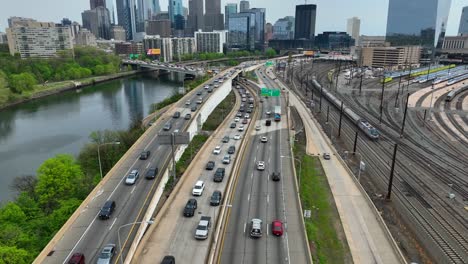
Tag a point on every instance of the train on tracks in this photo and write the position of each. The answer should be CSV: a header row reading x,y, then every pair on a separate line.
x,y
362,124
455,92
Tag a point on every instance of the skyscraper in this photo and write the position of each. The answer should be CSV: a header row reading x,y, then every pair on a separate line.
x,y
176,14
244,6
259,27
352,28
95,3
463,28
126,16
241,31
97,21
155,7
230,8
195,17
111,7
305,21
417,22
214,20
284,28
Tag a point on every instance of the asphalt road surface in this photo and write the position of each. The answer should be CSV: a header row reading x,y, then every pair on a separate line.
x,y
257,196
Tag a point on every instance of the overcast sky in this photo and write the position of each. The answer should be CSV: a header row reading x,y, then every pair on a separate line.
x,y
331,14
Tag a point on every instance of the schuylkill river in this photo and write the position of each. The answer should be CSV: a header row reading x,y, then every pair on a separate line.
x,y
35,131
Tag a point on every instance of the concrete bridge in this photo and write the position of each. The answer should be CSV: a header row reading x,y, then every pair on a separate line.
x,y
165,67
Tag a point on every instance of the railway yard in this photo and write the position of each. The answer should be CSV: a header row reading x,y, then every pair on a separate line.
x,y
427,210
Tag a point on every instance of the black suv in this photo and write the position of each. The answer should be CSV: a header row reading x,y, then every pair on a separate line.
x,y
190,207
168,260
215,198
219,174
107,210
231,150
233,125
275,176
188,116
145,155
225,139
210,165
151,173
176,115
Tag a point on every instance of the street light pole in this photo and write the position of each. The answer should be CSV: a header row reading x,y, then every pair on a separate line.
x,y
360,161
99,153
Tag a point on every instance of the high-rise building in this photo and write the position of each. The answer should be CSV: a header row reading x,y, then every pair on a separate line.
x,y
214,20
85,38
268,32
195,18
241,31
244,6
95,3
417,22
126,16
19,21
3,38
97,21
182,46
284,28
163,44
305,21
176,14
352,28
463,27
155,7
30,38
259,27
230,8
161,27
333,40
210,41
111,7
118,33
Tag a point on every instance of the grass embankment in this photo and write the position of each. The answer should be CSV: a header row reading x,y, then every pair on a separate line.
x,y
251,76
218,115
324,232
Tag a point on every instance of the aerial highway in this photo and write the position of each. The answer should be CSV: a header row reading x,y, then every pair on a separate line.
x,y
85,233
259,196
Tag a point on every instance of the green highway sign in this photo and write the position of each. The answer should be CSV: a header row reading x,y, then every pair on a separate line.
x,y
270,92
269,63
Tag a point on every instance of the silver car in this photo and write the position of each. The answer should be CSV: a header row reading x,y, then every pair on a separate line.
x,y
132,177
107,254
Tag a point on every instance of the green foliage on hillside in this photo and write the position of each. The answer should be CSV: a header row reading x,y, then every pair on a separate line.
x,y
22,74
44,203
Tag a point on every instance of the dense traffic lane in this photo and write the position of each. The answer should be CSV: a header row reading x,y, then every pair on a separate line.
x,y
257,196
87,234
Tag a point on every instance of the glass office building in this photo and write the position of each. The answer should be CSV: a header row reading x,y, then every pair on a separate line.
x,y
242,31
417,22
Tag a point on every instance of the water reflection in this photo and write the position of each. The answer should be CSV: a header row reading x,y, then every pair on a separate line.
x,y
32,132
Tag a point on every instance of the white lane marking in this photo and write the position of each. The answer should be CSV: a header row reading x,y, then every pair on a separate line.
x,y
115,220
248,197
251,176
267,229
133,189
245,226
268,198
149,163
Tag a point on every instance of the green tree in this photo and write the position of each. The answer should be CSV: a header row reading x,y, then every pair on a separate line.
x,y
3,80
13,255
270,53
59,178
22,82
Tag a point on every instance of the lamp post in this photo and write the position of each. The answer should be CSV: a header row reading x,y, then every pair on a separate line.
x,y
99,153
361,164
300,169
118,235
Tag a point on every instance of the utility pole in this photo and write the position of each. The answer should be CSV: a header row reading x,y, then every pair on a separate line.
x,y
341,116
355,141
398,92
381,98
320,100
404,117
360,83
328,112
390,183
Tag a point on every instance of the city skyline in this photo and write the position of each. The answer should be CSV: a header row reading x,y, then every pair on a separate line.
x,y
328,17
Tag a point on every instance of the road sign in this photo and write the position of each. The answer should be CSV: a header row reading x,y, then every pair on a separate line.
x,y
307,213
179,138
270,92
269,63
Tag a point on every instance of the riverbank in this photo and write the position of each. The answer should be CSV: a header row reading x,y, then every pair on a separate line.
x,y
9,99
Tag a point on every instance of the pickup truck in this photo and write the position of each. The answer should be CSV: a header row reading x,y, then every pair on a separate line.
x,y
203,227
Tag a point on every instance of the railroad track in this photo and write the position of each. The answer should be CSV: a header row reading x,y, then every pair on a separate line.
x,y
423,204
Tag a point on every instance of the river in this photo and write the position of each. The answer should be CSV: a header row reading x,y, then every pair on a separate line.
x,y
35,131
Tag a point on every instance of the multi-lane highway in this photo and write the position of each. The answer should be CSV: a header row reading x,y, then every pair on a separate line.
x,y
173,234
258,196
84,232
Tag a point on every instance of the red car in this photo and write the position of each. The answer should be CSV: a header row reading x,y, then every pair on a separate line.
x,y
277,228
245,121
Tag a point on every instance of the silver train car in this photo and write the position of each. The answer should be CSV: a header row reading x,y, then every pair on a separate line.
x,y
361,123
454,93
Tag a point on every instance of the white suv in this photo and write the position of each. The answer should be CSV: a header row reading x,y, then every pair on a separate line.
x,y
217,150
260,165
198,188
